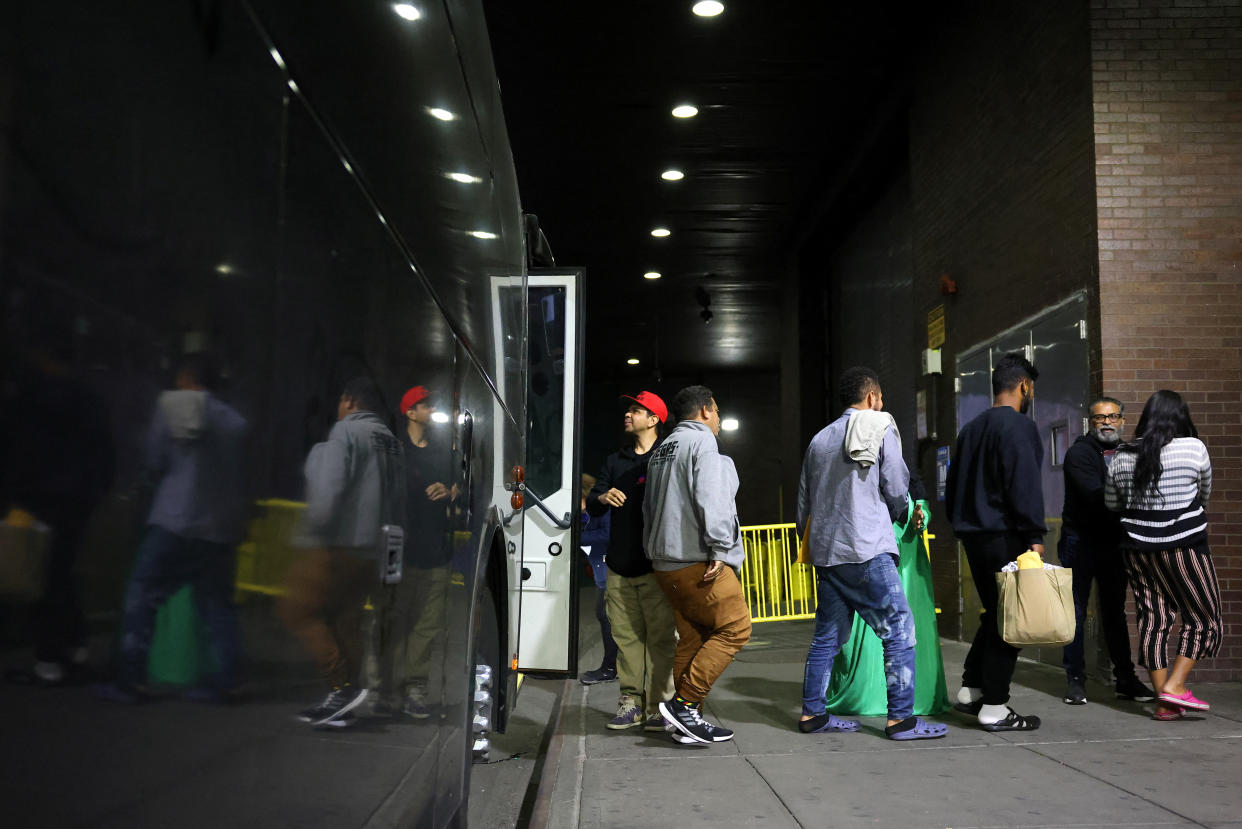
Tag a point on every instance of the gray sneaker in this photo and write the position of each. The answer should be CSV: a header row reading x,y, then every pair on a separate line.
x,y
629,714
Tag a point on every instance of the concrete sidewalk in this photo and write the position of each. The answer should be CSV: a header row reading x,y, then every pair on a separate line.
x,y
1105,764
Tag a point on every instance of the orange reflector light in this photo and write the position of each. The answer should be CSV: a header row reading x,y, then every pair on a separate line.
x,y
515,662
519,474
516,501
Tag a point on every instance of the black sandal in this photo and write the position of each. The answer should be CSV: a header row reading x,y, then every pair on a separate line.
x,y
1013,722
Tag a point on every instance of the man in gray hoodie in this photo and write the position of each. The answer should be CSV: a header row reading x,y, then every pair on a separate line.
x,y
691,534
355,487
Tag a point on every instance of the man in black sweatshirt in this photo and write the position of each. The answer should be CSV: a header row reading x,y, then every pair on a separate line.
x,y
1091,545
640,615
995,502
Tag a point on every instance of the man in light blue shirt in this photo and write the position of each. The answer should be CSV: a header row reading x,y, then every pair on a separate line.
x,y
854,482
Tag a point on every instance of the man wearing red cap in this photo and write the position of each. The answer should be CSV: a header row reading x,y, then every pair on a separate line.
x,y
412,620
641,618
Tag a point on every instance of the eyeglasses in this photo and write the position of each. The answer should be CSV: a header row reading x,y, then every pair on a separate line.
x,y
1115,417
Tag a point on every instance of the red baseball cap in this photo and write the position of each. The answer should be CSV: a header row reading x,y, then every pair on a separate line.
x,y
651,402
413,397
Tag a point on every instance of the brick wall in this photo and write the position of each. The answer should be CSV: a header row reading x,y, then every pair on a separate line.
x,y
1167,80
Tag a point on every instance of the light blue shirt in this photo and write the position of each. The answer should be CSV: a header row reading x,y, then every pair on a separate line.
x,y
851,509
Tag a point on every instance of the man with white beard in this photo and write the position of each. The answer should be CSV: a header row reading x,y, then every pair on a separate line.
x,y
1090,540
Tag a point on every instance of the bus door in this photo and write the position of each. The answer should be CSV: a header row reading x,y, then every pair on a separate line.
x,y
550,563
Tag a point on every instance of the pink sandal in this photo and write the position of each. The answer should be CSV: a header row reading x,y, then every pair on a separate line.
x,y
1165,715
1186,700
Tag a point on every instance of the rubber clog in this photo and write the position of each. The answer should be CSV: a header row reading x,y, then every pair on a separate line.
x,y
818,725
920,730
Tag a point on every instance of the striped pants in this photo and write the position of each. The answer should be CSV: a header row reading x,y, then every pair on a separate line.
x,y
1166,582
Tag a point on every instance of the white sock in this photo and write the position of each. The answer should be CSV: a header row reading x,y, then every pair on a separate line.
x,y
989,714
967,695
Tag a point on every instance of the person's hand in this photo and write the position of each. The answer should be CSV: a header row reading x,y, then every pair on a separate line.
x,y
920,520
437,492
613,498
1039,548
714,569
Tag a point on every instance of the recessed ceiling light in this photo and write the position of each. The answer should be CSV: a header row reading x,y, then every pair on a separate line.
x,y
672,175
276,57
729,424
661,232
442,114
407,12
439,417
483,234
685,111
708,8
632,361
463,178
224,269
652,275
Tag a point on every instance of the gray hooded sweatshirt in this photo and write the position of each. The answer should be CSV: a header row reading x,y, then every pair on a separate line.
x,y
355,484
689,511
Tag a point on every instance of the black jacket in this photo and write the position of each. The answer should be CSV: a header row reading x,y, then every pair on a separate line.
x,y
994,480
627,471
1084,513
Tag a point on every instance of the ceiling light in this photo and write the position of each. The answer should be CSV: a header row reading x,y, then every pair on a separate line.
x,y
652,275
276,57
442,114
661,232
632,361
482,234
729,424
224,269
685,111
708,8
407,12
463,178
672,175
439,417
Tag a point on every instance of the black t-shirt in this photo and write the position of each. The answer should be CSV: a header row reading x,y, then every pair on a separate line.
x,y
625,470
426,521
995,482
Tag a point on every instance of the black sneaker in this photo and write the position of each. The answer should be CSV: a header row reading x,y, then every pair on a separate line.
x,y
338,702
686,719
1075,692
1132,688
599,675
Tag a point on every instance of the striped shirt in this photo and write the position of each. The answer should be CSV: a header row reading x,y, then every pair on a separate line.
x,y
1172,515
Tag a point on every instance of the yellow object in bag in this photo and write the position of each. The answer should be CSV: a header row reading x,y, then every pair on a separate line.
x,y
1030,560
1036,607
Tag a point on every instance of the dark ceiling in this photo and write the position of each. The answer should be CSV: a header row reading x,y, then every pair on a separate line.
x,y
783,90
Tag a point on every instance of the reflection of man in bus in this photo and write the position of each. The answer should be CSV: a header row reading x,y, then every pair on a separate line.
x,y
413,614
195,448
56,463
642,621
355,485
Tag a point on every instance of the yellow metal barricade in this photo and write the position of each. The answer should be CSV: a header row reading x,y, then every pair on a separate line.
x,y
775,585
265,555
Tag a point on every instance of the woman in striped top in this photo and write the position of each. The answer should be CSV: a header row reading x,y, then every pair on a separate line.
x,y
1161,484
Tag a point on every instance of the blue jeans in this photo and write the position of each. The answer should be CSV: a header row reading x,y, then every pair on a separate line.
x,y
166,562
873,590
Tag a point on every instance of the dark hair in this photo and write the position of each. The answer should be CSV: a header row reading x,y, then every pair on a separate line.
x,y
1121,407
855,383
1165,417
688,401
1011,370
365,394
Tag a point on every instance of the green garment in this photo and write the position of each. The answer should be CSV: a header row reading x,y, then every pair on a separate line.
x,y
180,653
857,686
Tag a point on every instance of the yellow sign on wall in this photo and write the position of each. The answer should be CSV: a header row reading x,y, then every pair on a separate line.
x,y
935,327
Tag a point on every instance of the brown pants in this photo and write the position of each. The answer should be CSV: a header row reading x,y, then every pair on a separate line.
x,y
713,622
323,607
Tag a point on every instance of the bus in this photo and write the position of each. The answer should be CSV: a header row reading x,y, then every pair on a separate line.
x,y
295,195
